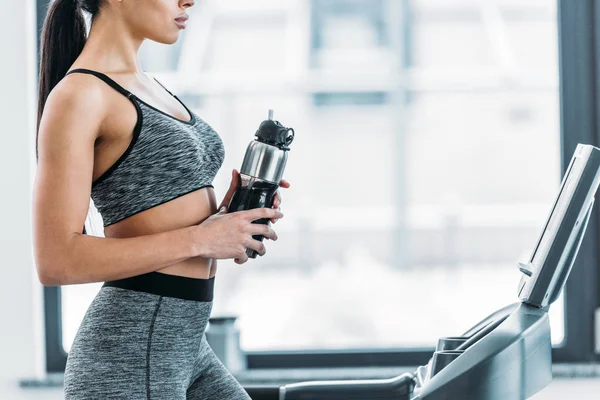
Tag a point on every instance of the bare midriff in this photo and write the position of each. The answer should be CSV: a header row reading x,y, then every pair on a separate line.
x,y
190,209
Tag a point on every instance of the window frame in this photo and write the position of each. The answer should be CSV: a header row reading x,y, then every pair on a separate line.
x,y
579,89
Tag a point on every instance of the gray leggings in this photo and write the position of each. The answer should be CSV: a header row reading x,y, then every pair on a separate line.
x,y
137,341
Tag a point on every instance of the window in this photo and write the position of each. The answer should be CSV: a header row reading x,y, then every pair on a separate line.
x,y
348,24
427,156
347,98
350,32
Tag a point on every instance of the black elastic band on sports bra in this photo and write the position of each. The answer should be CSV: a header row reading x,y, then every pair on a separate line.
x,y
105,78
180,287
163,86
130,95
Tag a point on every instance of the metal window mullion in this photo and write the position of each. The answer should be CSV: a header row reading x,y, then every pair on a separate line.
x,y
578,34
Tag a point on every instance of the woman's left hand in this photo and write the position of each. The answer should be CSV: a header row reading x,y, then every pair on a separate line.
x,y
277,198
233,187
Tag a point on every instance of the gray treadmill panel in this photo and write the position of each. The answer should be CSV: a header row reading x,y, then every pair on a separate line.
x,y
550,264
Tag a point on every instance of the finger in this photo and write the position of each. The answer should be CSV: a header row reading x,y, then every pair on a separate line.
x,y
276,200
242,259
284,184
260,213
232,188
256,245
263,230
274,220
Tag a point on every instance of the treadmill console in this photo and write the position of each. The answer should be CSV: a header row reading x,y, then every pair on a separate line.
x,y
550,264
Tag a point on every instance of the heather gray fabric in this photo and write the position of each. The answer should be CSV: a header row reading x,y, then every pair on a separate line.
x,y
135,345
166,158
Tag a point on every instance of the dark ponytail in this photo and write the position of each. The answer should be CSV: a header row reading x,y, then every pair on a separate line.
x,y
63,37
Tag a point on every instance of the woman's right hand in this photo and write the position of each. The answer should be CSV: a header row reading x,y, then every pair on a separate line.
x,y
224,235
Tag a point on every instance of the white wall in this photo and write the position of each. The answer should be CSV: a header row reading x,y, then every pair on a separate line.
x,y
21,352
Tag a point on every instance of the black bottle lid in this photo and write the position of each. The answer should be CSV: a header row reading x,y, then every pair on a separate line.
x,y
275,134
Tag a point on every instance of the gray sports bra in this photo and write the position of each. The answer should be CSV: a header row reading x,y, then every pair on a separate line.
x,y
166,159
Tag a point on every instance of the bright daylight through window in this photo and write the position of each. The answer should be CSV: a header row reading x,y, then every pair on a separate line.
x,y
425,162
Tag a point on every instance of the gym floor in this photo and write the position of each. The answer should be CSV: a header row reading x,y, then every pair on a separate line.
x,y
559,389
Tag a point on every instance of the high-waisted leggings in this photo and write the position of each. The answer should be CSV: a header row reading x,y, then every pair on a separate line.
x,y
144,338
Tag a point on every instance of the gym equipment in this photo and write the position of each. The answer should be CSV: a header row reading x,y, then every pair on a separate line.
x,y
262,170
507,355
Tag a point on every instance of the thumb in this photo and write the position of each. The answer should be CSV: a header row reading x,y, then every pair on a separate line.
x,y
232,188
234,181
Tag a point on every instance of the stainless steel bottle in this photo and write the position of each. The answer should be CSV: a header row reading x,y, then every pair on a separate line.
x,y
262,170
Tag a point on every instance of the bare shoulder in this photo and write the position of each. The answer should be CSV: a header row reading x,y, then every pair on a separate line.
x,y
78,101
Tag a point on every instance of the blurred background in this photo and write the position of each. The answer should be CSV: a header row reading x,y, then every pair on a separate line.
x,y
426,159
430,145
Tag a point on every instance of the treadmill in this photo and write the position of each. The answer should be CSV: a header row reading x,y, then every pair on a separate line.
x,y
508,354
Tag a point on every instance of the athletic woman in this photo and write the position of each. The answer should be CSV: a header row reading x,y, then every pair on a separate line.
x,y
108,131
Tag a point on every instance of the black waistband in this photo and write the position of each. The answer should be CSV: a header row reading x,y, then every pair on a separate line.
x,y
181,287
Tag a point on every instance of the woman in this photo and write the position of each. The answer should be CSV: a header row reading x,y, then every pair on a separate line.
x,y
107,131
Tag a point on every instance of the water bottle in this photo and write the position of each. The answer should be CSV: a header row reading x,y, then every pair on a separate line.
x,y
262,170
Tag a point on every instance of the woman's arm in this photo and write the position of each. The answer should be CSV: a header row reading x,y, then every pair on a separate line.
x,y
69,127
